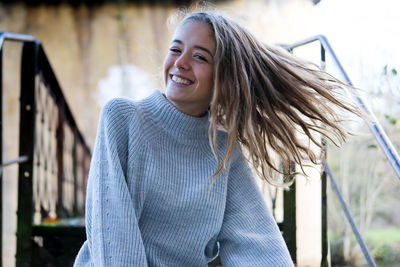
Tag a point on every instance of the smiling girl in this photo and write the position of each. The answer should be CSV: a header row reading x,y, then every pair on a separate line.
x,y
168,182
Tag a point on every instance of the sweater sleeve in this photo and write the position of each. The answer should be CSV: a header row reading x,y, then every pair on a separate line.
x,y
113,235
249,235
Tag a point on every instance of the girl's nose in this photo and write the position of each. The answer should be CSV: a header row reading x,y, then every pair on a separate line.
x,y
182,62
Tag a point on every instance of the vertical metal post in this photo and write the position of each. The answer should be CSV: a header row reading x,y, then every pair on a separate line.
x,y
60,157
75,172
324,215
1,156
289,216
289,211
26,145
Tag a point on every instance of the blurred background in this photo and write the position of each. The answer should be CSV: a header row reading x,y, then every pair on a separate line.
x,y
104,49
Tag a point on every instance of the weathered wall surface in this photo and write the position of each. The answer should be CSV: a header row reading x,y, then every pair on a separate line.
x,y
85,43
112,50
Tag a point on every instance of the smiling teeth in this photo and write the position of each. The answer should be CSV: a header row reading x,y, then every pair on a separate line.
x,y
180,80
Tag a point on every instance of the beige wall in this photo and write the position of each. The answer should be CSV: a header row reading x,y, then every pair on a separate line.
x,y
108,50
84,43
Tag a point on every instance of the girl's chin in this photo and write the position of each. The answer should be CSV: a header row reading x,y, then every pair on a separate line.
x,y
174,93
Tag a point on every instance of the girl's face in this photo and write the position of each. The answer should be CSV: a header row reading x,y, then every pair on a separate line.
x,y
189,68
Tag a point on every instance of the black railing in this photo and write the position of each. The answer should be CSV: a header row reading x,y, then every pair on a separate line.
x,y
379,135
53,160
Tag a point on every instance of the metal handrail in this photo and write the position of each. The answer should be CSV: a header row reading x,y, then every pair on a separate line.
x,y
376,129
35,63
14,37
3,37
347,213
374,125
18,160
45,65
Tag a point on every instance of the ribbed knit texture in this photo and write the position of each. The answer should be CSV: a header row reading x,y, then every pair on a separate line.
x,y
148,200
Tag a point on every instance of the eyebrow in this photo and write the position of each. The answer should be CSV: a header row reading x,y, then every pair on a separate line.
x,y
196,46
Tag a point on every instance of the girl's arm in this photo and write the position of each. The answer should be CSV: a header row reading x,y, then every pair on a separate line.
x,y
113,235
249,234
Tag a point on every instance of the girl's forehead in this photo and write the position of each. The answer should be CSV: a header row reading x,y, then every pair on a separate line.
x,y
190,25
195,32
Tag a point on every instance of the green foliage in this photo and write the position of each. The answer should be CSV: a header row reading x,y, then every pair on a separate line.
x,y
390,235
369,186
384,245
390,119
372,146
387,253
385,70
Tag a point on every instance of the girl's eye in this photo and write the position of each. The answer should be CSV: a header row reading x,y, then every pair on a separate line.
x,y
201,58
174,50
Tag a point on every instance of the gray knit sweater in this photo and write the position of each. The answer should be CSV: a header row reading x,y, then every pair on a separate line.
x,y
148,200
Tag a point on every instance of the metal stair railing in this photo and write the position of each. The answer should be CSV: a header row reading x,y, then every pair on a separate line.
x,y
53,156
378,133
347,213
373,124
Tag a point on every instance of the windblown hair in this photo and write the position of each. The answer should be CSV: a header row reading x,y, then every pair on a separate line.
x,y
263,96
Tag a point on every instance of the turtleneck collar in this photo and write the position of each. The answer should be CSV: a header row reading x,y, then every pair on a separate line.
x,y
167,116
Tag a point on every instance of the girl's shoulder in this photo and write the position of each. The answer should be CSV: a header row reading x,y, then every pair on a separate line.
x,y
120,110
119,106
121,115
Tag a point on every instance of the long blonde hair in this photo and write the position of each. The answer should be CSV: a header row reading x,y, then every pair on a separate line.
x,y
264,95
